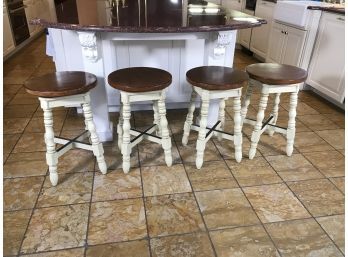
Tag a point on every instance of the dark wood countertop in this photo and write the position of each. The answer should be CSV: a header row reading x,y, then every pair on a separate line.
x,y
146,16
332,9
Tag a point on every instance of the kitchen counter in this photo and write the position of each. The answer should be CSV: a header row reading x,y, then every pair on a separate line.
x,y
100,36
333,9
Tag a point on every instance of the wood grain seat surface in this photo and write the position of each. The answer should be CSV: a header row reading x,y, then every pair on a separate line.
x,y
276,74
216,78
60,84
140,79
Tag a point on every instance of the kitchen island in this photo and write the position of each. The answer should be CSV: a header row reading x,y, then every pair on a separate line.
x,y
100,36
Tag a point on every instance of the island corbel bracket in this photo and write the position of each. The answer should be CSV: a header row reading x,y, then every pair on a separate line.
x,y
224,38
88,42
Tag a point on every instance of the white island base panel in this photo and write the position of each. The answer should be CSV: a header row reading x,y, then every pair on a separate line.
x,y
101,53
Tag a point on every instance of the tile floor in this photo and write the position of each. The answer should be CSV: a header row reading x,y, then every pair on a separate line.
x,y
270,206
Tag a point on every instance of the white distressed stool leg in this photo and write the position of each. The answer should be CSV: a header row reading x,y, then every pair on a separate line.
x,y
97,147
290,133
156,119
166,141
255,137
221,117
189,118
202,130
126,147
120,128
51,154
274,114
246,102
237,137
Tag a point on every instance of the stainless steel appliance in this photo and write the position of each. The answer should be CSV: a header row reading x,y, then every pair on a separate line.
x,y
18,20
250,5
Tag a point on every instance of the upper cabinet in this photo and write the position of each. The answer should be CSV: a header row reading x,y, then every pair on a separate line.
x,y
326,70
285,44
260,35
8,43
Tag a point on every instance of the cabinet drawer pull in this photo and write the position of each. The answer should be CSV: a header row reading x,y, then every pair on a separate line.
x,y
340,18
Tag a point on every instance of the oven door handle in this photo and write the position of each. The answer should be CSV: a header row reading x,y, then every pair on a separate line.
x,y
18,9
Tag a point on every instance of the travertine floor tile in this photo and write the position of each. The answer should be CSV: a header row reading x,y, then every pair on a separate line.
x,y
71,189
225,208
15,125
24,99
113,157
160,180
188,153
319,196
19,111
11,88
77,252
24,168
76,122
189,245
317,122
76,160
213,175
21,193
307,142
117,185
56,228
275,203
275,145
333,137
30,142
9,142
125,249
330,163
323,106
172,214
302,108
293,168
152,154
116,221
245,242
301,238
37,125
15,224
334,227
339,183
338,118
253,172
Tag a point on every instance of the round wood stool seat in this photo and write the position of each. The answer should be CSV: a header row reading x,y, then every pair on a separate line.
x,y
59,84
140,79
216,78
276,74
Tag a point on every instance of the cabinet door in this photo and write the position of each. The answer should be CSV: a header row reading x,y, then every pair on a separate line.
x,y
8,39
244,37
293,45
30,13
326,70
260,35
276,43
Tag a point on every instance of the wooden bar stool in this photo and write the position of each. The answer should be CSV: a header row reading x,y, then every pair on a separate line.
x,y
273,79
62,89
142,84
215,82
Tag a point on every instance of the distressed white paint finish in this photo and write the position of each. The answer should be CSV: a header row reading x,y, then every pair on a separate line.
x,y
207,97
246,101
160,120
103,52
271,128
47,104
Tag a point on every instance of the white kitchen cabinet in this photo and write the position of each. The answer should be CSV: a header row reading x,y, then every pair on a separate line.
x,y
326,69
232,4
215,1
8,38
285,44
245,34
31,13
260,35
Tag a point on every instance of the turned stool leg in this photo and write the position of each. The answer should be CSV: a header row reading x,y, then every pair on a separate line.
x,y
202,130
237,137
255,137
189,118
97,147
290,133
221,117
274,114
156,119
51,154
246,102
119,128
126,148
166,141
